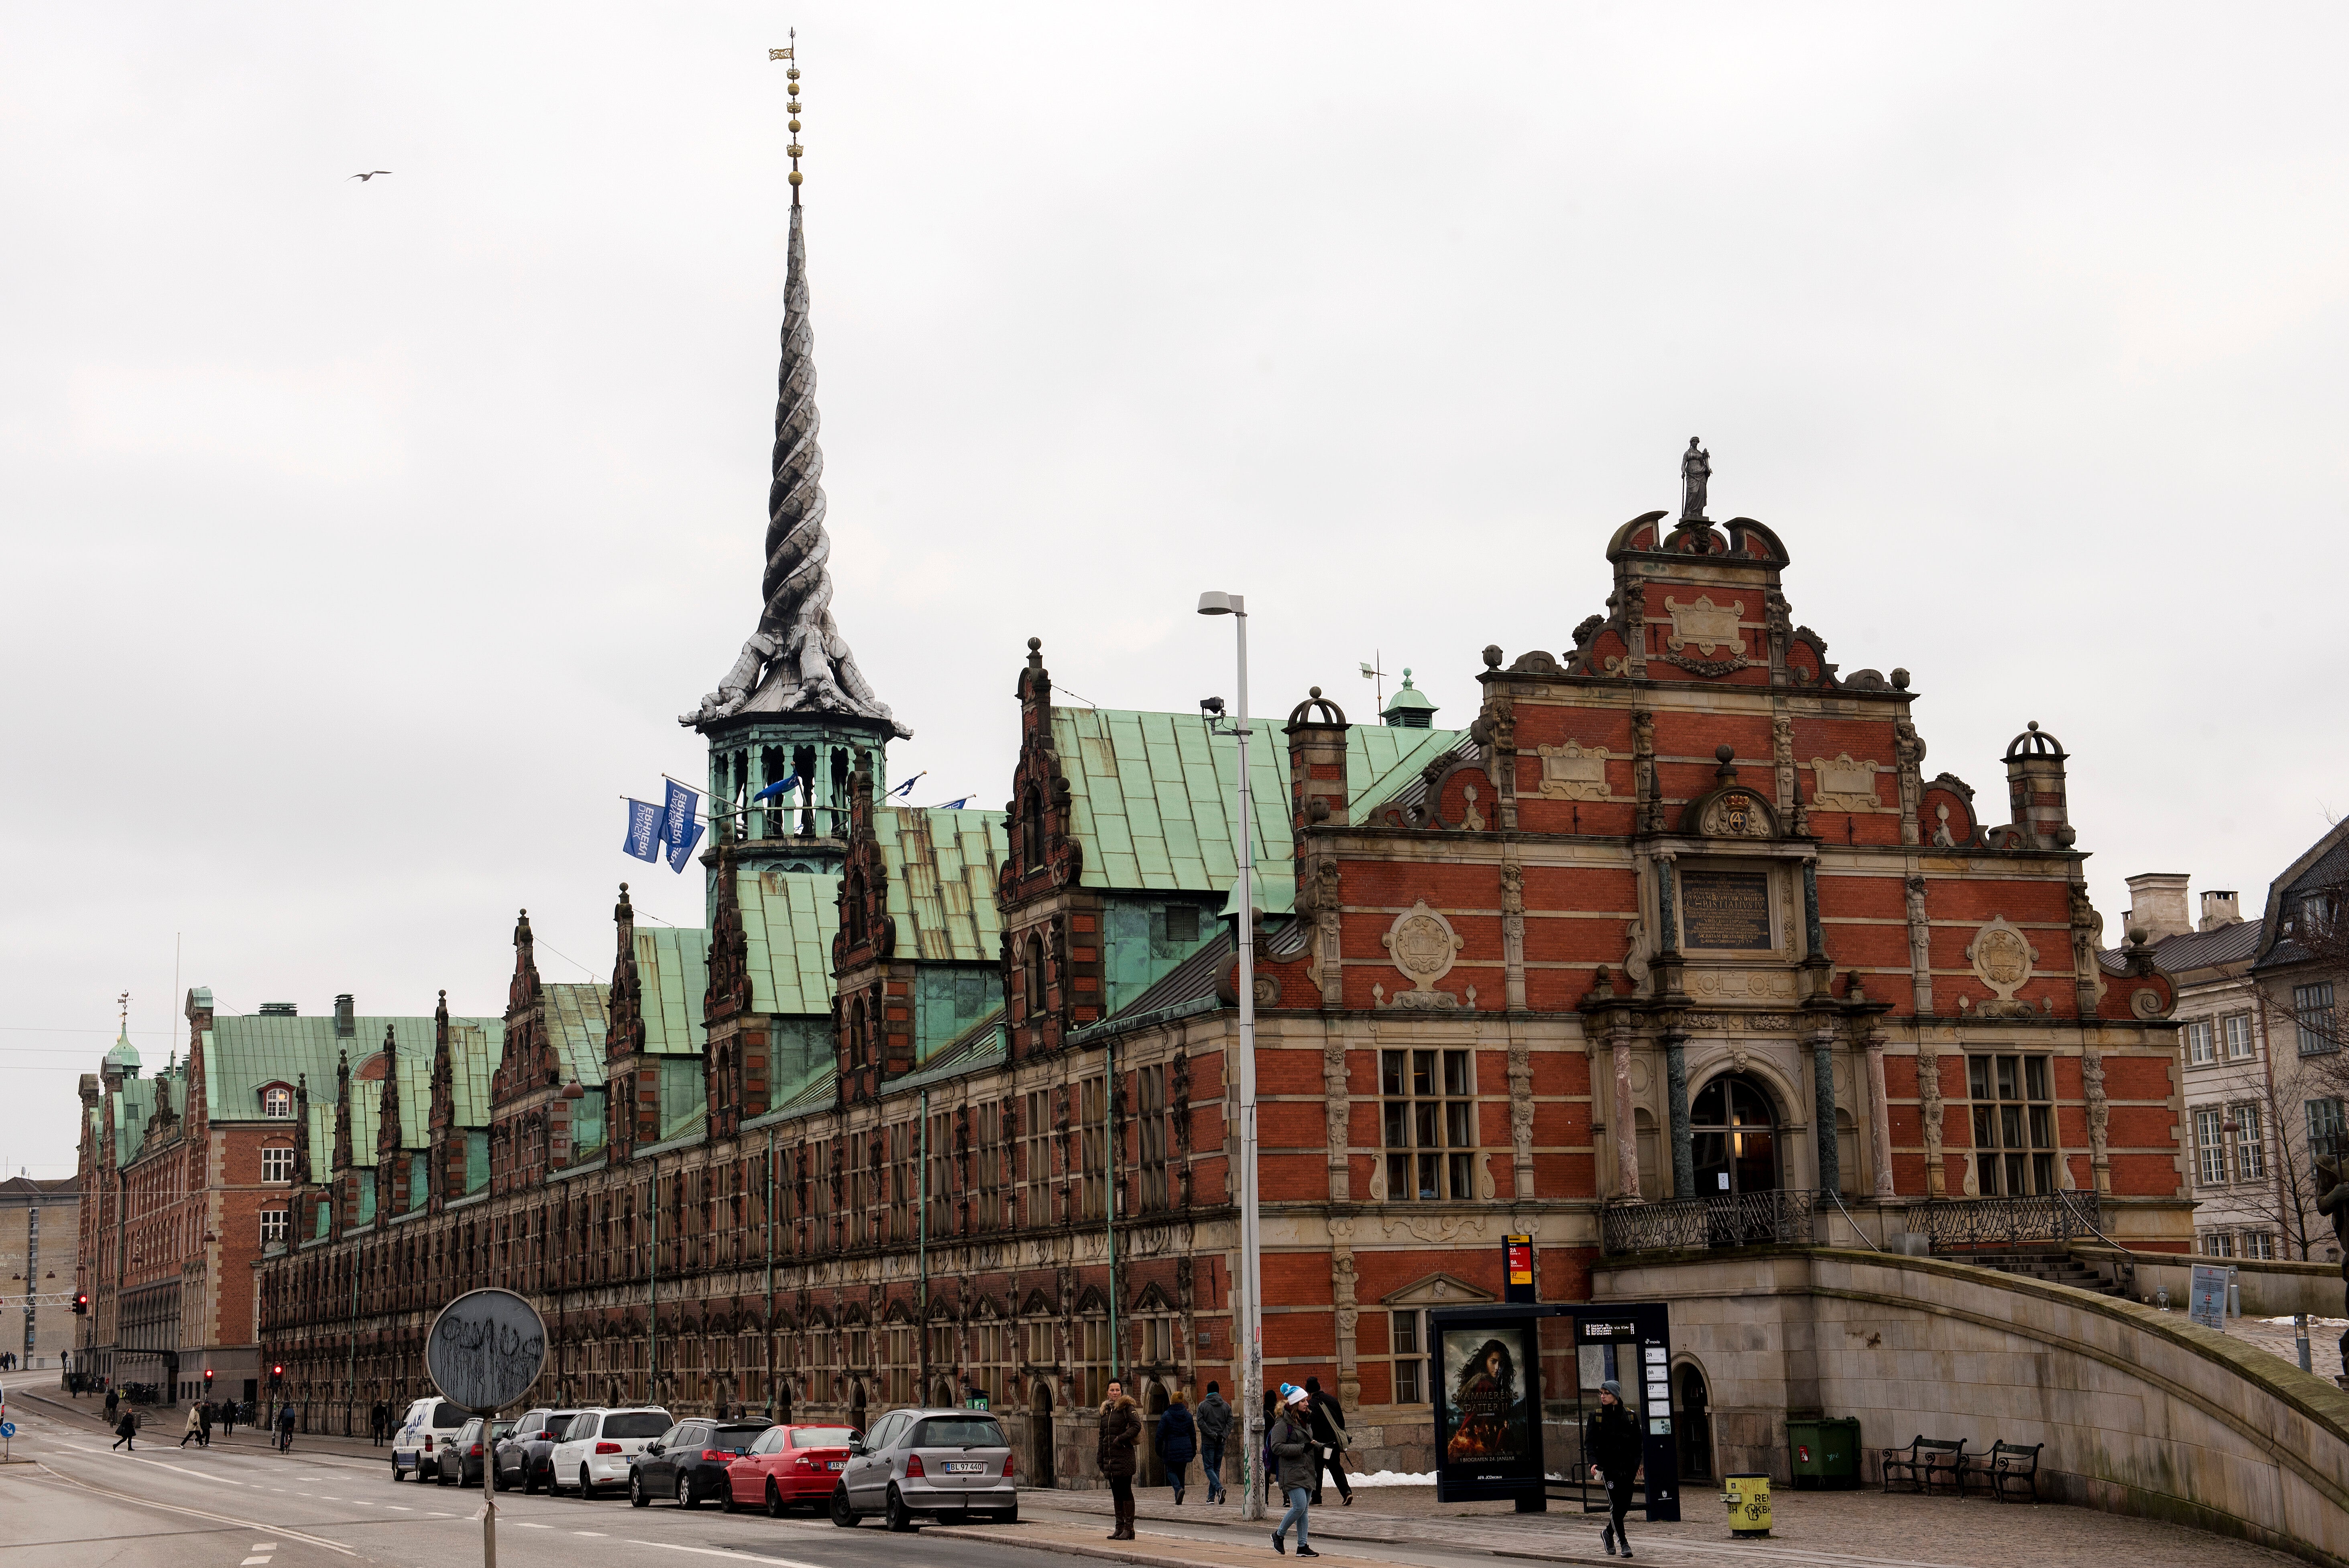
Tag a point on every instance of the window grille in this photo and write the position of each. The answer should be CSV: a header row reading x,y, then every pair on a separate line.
x,y
1152,1093
2015,1124
1430,1119
2198,1051
2311,1008
277,1165
2237,1029
2211,1139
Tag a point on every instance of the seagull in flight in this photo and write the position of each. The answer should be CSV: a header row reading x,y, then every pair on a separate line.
x,y
371,174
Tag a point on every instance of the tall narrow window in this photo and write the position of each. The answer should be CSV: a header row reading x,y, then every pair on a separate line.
x,y
1092,1140
1040,1157
1033,975
2236,1028
1410,1359
1430,1117
1151,1092
2015,1124
901,1181
2250,1144
2311,1008
2324,1125
2210,1145
2199,1052
989,1158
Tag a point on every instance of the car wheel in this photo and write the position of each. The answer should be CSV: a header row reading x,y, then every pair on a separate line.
x,y
685,1498
1007,1515
587,1486
529,1479
842,1513
900,1518
491,1475
774,1501
637,1498
396,1475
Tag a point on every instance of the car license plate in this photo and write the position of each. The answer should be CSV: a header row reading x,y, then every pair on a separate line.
x,y
833,1464
966,1467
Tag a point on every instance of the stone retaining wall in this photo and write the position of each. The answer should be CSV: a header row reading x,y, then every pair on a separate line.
x,y
2142,1412
2268,1287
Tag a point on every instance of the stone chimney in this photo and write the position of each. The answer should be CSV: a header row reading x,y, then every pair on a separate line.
x,y
2035,792
2158,904
2219,909
345,1024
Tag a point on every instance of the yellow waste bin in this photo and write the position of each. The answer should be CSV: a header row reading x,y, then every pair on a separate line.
x,y
1749,1504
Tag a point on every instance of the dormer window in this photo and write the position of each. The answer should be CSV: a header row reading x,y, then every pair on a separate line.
x,y
277,1104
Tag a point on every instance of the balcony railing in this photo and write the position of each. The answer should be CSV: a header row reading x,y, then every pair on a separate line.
x,y
1738,1220
1968,1225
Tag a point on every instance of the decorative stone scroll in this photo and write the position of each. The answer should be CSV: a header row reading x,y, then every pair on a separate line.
x,y
1574,772
1843,785
1422,945
2003,957
1706,625
1741,985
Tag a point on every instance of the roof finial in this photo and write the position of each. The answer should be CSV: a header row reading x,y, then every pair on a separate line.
x,y
791,52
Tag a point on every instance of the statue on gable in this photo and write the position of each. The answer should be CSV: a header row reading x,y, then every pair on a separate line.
x,y
1696,473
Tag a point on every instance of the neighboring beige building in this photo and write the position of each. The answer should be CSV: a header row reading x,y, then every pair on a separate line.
x,y
40,1222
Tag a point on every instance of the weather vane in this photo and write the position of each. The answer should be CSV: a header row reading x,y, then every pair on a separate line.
x,y
790,52
123,1001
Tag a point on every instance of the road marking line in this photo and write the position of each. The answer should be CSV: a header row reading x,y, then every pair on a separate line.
x,y
436,1513
714,1552
265,1546
400,1506
191,1512
591,1532
526,1524
252,1561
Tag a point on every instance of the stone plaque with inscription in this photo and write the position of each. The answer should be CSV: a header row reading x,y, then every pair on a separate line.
x,y
1725,909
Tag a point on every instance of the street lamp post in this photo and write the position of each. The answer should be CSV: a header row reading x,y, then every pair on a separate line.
x,y
1247,1298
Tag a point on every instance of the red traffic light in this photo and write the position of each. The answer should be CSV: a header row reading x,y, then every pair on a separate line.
x,y
208,1374
81,1302
277,1369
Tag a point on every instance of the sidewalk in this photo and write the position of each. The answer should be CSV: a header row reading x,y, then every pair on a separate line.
x,y
162,1425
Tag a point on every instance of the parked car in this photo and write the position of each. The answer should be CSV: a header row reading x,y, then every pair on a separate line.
x,y
523,1455
940,1464
465,1460
791,1467
689,1461
429,1425
595,1449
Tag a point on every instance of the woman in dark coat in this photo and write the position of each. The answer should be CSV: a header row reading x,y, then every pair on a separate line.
x,y
1178,1442
1121,1430
1616,1450
1329,1420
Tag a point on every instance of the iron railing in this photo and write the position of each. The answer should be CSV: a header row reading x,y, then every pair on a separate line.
x,y
1969,1224
1738,1220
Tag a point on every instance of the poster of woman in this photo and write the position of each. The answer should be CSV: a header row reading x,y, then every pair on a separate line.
x,y
1485,1409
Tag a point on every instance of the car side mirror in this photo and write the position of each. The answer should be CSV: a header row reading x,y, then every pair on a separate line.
x,y
652,1448
856,1445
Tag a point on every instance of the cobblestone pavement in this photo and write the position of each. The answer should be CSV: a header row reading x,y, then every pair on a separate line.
x,y
1863,1528
2324,1340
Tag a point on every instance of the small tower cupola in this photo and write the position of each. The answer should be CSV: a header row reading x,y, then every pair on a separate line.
x,y
1409,708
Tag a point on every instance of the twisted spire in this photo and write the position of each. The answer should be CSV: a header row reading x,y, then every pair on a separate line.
x,y
797,661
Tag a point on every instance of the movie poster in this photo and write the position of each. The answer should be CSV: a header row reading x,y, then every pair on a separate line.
x,y
1486,1409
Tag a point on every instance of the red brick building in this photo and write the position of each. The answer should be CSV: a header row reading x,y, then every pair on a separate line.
x,y
1678,943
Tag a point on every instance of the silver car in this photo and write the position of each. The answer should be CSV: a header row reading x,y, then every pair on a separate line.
x,y
941,1464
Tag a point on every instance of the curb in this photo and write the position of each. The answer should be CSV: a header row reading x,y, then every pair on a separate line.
x,y
1156,1559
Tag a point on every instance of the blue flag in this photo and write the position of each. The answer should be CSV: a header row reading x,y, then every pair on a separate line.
x,y
680,854
953,805
643,839
909,783
679,831
779,787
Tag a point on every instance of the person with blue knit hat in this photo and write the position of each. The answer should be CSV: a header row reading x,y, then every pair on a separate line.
x,y
1616,1450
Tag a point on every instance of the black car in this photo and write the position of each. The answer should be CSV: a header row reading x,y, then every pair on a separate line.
x,y
526,1455
466,1459
689,1461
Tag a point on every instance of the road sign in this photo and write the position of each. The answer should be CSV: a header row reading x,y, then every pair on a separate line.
x,y
485,1350
7,1428
2208,1305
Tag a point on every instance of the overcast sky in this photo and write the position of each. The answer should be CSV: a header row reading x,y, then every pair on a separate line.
x,y
363,539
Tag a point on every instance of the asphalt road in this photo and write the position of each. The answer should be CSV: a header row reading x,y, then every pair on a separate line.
x,y
82,1504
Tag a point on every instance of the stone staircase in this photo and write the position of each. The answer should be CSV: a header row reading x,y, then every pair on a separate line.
x,y
2056,1268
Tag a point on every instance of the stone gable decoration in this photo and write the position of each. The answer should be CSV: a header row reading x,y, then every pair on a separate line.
x,y
1736,815
1573,772
1423,946
1843,785
2002,958
1706,625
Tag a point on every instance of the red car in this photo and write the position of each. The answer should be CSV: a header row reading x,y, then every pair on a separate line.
x,y
788,1466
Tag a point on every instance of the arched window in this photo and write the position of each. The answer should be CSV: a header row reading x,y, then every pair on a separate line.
x,y
1735,1135
277,1103
1031,830
1035,977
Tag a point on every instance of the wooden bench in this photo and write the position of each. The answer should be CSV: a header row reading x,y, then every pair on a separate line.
x,y
1925,1461
2006,1467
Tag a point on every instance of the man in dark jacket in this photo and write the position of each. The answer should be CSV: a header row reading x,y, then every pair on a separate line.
x,y
1178,1441
1296,1462
1328,1419
1121,1430
1215,1422
125,1430
1613,1442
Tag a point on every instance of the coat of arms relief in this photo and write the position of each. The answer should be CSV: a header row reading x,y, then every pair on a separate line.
x,y
1423,946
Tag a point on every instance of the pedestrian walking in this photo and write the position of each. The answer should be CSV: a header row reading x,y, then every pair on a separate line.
x,y
1295,1454
1328,1419
1178,1442
286,1430
194,1429
1275,1400
1121,1430
1613,1442
124,1430
378,1418
113,1404
204,1438
1214,1423
227,1417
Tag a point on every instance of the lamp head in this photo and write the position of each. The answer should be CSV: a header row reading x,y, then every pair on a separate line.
x,y
1214,604
1211,705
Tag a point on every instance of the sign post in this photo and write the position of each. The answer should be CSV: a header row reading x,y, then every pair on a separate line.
x,y
2208,1305
486,1349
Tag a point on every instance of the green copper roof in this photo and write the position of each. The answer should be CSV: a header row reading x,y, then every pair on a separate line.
x,y
942,868
673,968
1154,795
367,1119
124,1054
789,919
578,1016
245,1053
474,1047
1409,705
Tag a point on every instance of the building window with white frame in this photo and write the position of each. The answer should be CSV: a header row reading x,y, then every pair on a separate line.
x,y
2250,1143
277,1165
277,1104
2325,1126
1410,1353
276,1226
2211,1143
2235,1028
2311,1008
2199,1037
2259,1245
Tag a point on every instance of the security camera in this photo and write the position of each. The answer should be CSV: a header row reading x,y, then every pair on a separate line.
x,y
1214,704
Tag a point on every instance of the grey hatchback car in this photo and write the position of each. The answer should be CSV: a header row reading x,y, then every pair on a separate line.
x,y
945,1464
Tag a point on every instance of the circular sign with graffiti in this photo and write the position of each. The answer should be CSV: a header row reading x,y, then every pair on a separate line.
x,y
486,1349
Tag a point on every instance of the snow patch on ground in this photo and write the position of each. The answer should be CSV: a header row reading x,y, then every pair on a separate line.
x,y
1393,1477
2313,1322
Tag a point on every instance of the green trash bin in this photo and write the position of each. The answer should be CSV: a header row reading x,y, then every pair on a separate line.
x,y
1823,1452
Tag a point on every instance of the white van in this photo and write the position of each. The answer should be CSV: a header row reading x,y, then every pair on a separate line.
x,y
594,1453
429,1425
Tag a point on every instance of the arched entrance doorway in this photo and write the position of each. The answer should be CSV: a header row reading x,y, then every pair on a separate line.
x,y
1039,1428
1736,1138
856,1404
1153,1405
1695,1430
